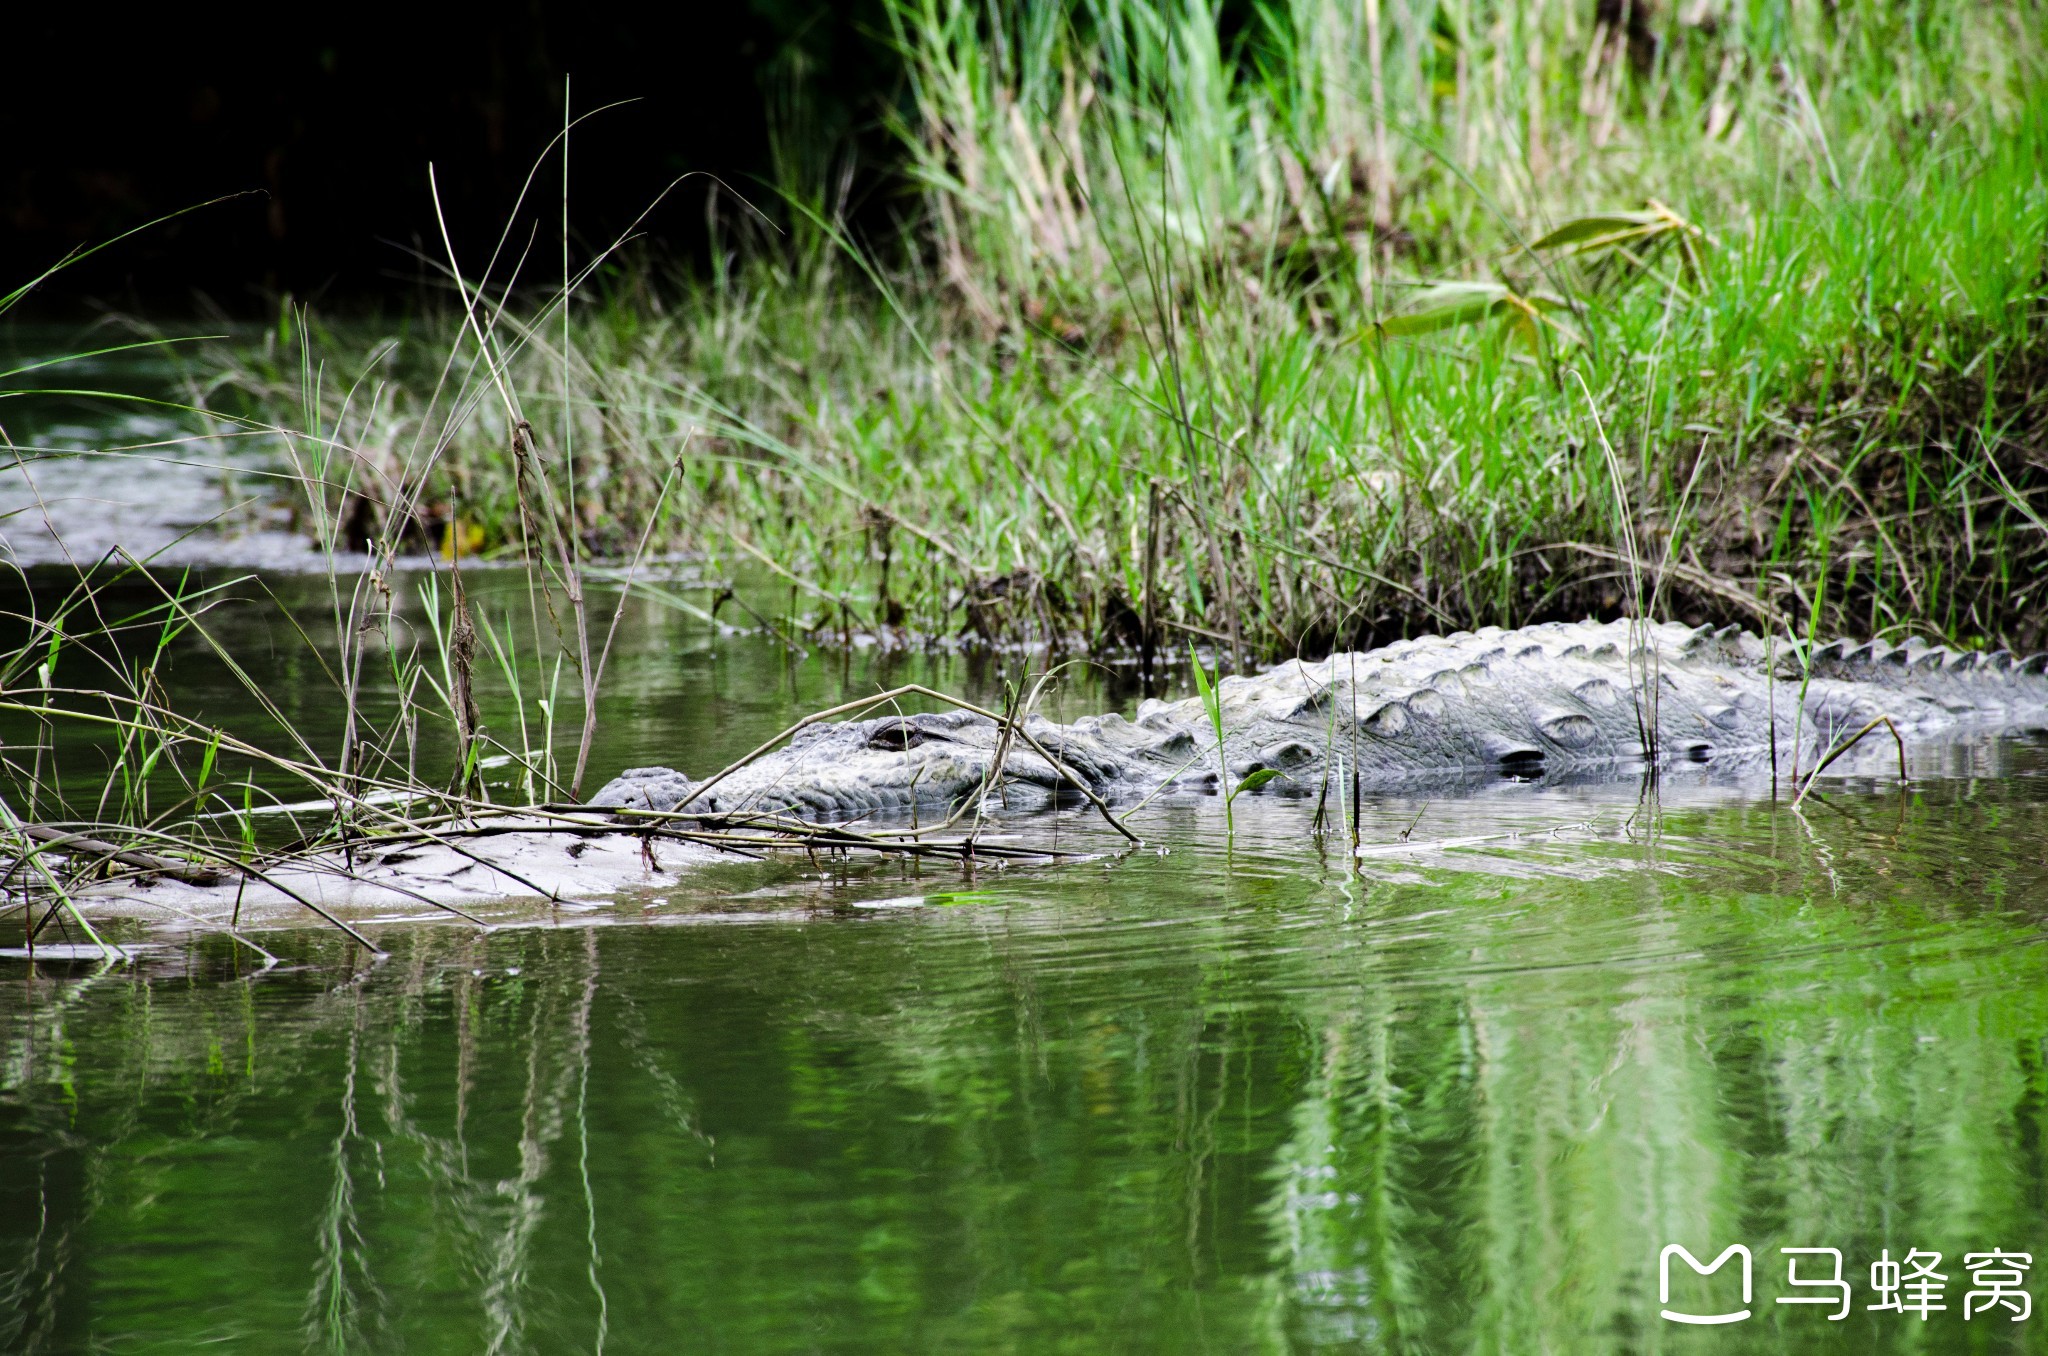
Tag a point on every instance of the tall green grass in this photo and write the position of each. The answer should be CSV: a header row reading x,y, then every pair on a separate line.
x,y
1293,330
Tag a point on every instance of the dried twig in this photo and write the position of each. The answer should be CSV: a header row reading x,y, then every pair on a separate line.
x,y
1850,743
53,839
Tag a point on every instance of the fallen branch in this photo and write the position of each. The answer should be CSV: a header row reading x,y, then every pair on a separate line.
x,y
55,840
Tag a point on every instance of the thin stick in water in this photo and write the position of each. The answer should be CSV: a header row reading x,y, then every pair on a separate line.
x,y
1849,744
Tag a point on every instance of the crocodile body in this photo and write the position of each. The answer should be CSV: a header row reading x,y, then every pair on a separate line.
x,y
1556,699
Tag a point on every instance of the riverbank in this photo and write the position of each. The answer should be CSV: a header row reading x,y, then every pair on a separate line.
x,y
1186,341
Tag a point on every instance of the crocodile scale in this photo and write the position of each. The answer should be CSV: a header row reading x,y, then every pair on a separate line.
x,y
1549,700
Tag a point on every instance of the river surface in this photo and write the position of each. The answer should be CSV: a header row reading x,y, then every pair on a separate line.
x,y
1232,1092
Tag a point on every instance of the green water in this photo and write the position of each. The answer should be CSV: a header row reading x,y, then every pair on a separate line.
x,y
1231,1096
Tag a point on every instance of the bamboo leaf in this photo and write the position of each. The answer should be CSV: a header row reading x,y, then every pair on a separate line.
x,y
1580,230
1446,305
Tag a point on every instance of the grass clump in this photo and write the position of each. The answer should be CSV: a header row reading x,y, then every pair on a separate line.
x,y
1281,334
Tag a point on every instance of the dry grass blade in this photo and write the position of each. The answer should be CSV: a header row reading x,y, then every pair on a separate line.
x,y
1849,744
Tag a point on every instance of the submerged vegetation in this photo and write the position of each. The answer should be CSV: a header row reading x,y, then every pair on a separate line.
x,y
1345,323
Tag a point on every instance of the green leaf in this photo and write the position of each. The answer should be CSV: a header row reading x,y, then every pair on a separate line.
x,y
1210,701
1255,779
207,761
49,674
1581,229
1446,305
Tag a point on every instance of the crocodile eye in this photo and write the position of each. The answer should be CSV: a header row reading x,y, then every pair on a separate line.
x,y
1285,757
897,737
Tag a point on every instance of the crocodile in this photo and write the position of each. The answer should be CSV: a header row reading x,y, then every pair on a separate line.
x,y
1555,700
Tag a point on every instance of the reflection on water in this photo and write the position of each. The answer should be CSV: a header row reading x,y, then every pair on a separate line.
x,y
1204,1101
104,451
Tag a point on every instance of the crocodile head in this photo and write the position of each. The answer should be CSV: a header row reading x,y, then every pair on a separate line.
x,y
864,767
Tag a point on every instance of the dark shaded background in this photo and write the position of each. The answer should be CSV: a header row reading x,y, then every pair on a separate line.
x,y
111,117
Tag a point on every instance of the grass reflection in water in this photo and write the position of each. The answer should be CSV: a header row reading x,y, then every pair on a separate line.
x,y
1174,1104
